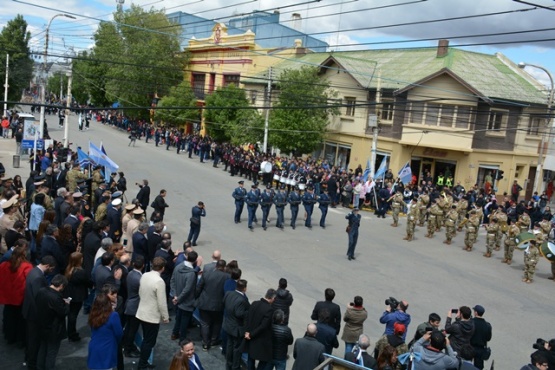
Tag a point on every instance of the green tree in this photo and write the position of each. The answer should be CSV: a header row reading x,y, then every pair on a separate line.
x,y
229,117
299,119
14,40
183,96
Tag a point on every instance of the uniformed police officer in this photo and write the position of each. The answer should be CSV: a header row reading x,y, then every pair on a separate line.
x,y
266,201
252,203
309,199
280,200
354,224
324,201
294,200
239,194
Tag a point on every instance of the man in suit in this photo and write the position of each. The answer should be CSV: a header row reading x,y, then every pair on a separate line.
x,y
216,256
103,274
188,349
73,218
114,220
51,321
258,331
308,352
182,290
143,196
236,306
210,294
132,323
140,242
60,197
362,357
34,282
165,252
197,212
154,236
333,309
152,309
50,247
160,204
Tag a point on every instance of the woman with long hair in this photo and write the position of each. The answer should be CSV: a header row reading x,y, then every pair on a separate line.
x,y
18,184
12,275
36,246
77,290
66,241
84,228
179,362
106,334
387,359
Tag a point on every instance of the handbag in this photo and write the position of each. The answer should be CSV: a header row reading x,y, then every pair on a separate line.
x,y
195,221
348,229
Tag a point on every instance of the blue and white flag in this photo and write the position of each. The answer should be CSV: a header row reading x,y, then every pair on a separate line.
x,y
381,170
84,159
102,159
405,174
366,172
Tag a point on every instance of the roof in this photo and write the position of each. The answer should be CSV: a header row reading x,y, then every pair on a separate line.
x,y
491,77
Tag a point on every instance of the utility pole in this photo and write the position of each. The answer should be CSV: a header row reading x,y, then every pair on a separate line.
x,y
375,129
268,104
61,86
68,105
6,86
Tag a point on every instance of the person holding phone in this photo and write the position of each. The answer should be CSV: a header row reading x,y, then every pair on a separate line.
x,y
461,330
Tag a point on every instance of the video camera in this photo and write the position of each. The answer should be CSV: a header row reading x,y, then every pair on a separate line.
x,y
540,344
392,302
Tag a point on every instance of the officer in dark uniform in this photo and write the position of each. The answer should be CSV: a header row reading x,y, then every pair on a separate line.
x,y
266,200
294,200
324,201
252,203
308,203
239,194
280,200
354,224
258,194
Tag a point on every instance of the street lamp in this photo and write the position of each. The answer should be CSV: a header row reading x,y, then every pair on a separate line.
x,y
43,90
539,169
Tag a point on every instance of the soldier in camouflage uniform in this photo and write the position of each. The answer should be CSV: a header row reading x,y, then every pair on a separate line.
x,y
96,181
450,224
412,217
423,201
72,177
472,224
441,203
545,225
503,226
462,207
396,203
531,257
510,242
491,230
433,211
524,222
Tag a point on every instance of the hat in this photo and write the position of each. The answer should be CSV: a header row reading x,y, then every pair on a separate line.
x,y
355,209
479,309
116,194
130,206
254,186
268,186
282,186
138,211
241,182
116,202
77,194
7,204
399,328
7,179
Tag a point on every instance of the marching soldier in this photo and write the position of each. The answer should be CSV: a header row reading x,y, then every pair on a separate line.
x,y
510,243
72,177
423,201
294,200
524,222
491,230
531,257
472,224
266,200
503,226
239,194
434,211
324,201
252,200
462,207
309,199
280,200
396,203
545,226
440,219
450,224
412,216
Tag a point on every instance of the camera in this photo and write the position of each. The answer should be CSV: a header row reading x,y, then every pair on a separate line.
x,y
392,302
540,344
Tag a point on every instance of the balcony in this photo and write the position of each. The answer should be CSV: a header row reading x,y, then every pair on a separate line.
x,y
437,137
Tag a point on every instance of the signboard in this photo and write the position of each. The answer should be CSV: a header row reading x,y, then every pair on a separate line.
x,y
31,130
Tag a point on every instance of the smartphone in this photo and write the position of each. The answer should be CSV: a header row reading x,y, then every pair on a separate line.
x,y
455,310
429,328
125,242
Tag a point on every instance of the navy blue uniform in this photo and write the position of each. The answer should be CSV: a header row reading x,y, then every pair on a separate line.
x,y
196,213
239,194
294,201
354,223
252,204
266,205
324,200
308,202
280,201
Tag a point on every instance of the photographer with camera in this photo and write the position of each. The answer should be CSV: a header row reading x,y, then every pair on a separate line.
x,y
547,349
538,361
395,311
462,329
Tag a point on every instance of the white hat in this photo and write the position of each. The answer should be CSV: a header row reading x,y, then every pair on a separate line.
x,y
116,202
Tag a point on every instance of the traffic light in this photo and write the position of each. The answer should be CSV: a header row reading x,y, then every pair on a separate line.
x,y
500,174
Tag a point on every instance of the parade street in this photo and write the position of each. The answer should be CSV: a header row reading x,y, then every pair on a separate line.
x,y
431,276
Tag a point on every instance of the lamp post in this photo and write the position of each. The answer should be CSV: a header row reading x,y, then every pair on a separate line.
x,y
43,90
539,169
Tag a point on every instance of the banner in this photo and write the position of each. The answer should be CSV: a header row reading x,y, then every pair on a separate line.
x,y
405,174
102,159
381,170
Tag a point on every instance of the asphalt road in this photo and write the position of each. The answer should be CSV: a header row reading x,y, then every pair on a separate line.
x,y
430,275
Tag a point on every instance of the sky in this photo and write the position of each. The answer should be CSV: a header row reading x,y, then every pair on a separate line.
x,y
521,31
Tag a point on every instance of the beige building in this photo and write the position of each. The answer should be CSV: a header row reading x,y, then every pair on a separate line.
x,y
447,111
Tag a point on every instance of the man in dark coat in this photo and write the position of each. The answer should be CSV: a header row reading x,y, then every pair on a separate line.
x,y
210,294
154,236
50,247
160,204
114,219
333,309
259,331
51,321
140,242
91,245
132,323
143,196
197,212
237,308
308,352
183,284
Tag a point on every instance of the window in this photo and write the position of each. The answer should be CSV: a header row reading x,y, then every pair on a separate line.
x,y
441,115
432,114
464,117
387,110
447,115
495,120
350,106
417,112
232,79
534,125
198,85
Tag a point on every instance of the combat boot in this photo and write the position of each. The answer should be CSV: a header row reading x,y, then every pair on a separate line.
x,y
504,261
487,254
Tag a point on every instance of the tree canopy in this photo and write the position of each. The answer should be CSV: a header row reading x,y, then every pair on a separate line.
x,y
14,40
299,118
181,95
229,117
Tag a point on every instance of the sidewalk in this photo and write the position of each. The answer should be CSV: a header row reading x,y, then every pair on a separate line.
x,y
7,151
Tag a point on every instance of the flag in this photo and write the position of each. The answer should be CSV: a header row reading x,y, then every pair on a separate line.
x,y
84,159
405,174
102,148
381,170
366,171
102,159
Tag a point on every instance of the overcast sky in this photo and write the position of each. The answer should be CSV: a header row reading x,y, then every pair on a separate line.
x,y
344,24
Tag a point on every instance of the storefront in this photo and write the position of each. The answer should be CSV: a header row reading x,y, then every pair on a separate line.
x,y
336,154
434,162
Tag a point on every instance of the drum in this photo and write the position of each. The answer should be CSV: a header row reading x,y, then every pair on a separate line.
x,y
293,182
276,177
547,250
288,181
302,186
522,240
282,179
266,167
